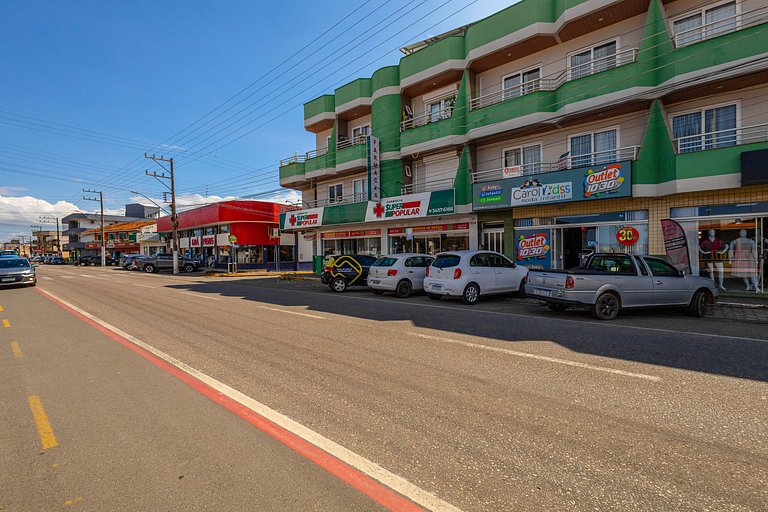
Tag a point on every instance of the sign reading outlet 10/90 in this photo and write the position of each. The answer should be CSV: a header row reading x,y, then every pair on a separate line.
x,y
603,181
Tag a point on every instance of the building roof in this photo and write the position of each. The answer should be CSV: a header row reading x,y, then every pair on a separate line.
x,y
243,210
123,226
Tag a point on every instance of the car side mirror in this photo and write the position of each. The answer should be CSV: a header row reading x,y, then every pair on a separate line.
x,y
681,273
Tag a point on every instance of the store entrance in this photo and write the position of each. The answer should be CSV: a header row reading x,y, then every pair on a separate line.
x,y
573,243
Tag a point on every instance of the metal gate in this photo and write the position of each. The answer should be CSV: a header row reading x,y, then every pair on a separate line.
x,y
493,239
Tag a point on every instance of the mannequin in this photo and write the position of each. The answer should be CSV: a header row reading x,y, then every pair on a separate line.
x,y
713,250
743,256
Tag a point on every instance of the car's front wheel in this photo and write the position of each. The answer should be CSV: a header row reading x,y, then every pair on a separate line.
x,y
149,268
471,294
189,267
606,306
338,285
699,304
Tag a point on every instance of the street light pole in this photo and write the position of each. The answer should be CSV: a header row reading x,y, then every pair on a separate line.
x,y
101,204
174,217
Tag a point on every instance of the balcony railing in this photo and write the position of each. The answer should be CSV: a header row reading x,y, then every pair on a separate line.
x,y
354,141
315,153
349,198
722,138
719,27
446,112
303,158
427,186
552,82
567,162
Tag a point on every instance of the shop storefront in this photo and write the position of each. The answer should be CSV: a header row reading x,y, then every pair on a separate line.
x,y
727,243
564,242
429,238
366,241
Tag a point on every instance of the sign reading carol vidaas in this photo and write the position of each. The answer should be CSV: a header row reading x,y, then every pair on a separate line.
x,y
412,206
592,183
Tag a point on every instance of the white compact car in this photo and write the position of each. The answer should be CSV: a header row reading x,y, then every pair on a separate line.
x,y
470,274
399,273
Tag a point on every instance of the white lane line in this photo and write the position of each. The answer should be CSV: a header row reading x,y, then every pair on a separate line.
x,y
199,296
537,356
292,312
143,285
48,278
68,277
616,325
373,470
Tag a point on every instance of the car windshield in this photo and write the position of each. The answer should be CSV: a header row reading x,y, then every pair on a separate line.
x,y
14,263
446,260
384,262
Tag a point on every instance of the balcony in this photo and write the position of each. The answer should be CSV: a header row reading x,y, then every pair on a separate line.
x,y
722,138
347,199
566,162
351,153
554,81
428,186
719,27
448,103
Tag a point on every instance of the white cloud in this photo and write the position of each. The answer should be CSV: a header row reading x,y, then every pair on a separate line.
x,y
9,191
21,212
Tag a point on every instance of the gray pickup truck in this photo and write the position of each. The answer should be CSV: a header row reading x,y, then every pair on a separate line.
x,y
164,261
609,282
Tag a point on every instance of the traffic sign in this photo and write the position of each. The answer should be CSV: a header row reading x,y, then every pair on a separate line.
x,y
232,239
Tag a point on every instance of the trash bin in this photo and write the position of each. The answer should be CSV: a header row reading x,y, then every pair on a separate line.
x,y
317,264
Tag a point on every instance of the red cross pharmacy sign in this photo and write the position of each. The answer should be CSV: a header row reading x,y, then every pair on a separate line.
x,y
374,169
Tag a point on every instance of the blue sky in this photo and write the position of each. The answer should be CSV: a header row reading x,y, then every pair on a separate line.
x,y
89,86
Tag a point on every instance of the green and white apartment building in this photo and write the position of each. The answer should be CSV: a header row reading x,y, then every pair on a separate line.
x,y
548,130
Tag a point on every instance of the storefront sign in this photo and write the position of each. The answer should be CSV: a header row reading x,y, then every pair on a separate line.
x,y
209,241
533,248
514,171
146,238
194,241
627,236
412,206
581,184
374,169
303,219
430,229
352,234
676,245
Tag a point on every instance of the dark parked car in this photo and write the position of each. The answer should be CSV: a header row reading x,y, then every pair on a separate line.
x,y
56,260
126,260
164,261
93,261
348,270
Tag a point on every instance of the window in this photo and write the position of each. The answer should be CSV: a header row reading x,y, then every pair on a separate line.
x,y
224,228
360,189
704,23
384,262
111,236
479,260
705,129
661,268
592,60
614,264
361,132
209,231
594,148
122,236
440,109
527,157
497,260
520,83
335,193
418,261
446,260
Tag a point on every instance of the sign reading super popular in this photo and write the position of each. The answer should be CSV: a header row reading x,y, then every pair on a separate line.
x,y
581,184
412,206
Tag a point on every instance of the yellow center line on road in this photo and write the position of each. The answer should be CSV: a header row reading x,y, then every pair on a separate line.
x,y
44,429
16,349
1,308
6,323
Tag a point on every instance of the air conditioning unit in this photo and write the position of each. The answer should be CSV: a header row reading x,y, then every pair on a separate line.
x,y
408,172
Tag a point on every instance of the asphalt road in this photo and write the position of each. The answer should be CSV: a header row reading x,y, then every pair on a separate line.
x,y
501,406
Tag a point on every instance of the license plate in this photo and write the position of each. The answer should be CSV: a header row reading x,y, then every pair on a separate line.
x,y
8,279
544,293
437,287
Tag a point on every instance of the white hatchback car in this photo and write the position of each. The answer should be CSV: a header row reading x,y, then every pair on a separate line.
x,y
399,273
470,274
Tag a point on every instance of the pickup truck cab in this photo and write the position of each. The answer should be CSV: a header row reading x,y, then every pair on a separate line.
x,y
609,282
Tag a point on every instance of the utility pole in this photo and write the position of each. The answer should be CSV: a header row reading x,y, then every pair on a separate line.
x,y
39,237
160,160
48,219
103,239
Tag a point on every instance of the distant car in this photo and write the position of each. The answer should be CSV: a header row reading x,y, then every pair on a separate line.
x,y
9,253
36,259
472,274
399,273
347,270
56,260
93,261
16,271
164,261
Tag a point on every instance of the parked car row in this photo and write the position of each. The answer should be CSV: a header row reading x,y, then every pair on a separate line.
x,y
464,274
48,260
606,284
